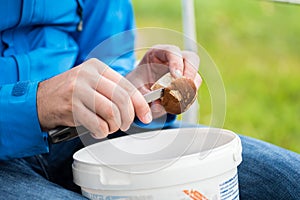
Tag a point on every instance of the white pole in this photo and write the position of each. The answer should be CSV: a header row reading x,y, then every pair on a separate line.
x,y
189,26
190,43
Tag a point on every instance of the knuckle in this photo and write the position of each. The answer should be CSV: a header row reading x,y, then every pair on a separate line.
x,y
192,58
174,48
68,108
93,61
110,112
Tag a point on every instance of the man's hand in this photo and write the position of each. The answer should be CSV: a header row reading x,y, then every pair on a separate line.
x,y
92,95
161,59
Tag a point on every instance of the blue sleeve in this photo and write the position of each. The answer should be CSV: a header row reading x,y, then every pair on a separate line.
x,y
8,71
35,44
24,137
108,34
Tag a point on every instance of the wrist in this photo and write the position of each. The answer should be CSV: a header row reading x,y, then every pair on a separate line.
x,y
46,118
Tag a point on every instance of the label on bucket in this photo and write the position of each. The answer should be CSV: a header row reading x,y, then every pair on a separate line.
x,y
216,188
230,189
195,195
104,197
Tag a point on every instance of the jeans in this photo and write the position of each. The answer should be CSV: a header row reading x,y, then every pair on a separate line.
x,y
266,172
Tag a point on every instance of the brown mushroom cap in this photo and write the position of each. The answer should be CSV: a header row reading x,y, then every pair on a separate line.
x,y
179,95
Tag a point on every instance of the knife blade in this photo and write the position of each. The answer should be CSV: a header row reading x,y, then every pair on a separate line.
x,y
154,95
64,133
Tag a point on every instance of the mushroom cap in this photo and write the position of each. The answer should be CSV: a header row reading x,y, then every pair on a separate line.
x,y
179,95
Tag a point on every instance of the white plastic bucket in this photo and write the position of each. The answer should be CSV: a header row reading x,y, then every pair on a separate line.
x,y
174,164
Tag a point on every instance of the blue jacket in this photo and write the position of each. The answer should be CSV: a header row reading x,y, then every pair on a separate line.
x,y
40,39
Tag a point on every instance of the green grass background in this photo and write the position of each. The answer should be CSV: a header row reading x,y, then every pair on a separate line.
x,y
256,46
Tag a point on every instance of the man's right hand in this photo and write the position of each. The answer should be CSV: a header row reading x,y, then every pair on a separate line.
x,y
92,95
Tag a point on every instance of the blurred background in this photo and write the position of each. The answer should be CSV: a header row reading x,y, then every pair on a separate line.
x,y
256,47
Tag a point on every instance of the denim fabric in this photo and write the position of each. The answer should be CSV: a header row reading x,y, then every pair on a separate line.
x,y
20,181
267,172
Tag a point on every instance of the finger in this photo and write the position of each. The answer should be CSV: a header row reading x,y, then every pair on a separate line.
x,y
97,102
102,107
108,111
191,64
157,109
141,107
171,55
198,81
95,124
120,98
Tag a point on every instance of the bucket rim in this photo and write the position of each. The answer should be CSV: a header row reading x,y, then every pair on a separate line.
x,y
77,159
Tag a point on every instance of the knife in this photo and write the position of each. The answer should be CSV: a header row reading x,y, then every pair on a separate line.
x,y
64,133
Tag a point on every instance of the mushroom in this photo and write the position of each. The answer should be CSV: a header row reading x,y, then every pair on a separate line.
x,y
179,94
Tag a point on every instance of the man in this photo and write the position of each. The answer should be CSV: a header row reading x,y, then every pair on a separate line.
x,y
45,82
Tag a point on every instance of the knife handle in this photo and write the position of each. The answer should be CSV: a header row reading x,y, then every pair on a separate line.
x,y
64,133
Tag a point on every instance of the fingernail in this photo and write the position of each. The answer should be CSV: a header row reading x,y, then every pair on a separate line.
x,y
178,73
148,117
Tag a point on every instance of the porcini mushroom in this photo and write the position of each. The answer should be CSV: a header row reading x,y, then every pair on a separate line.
x,y
179,94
